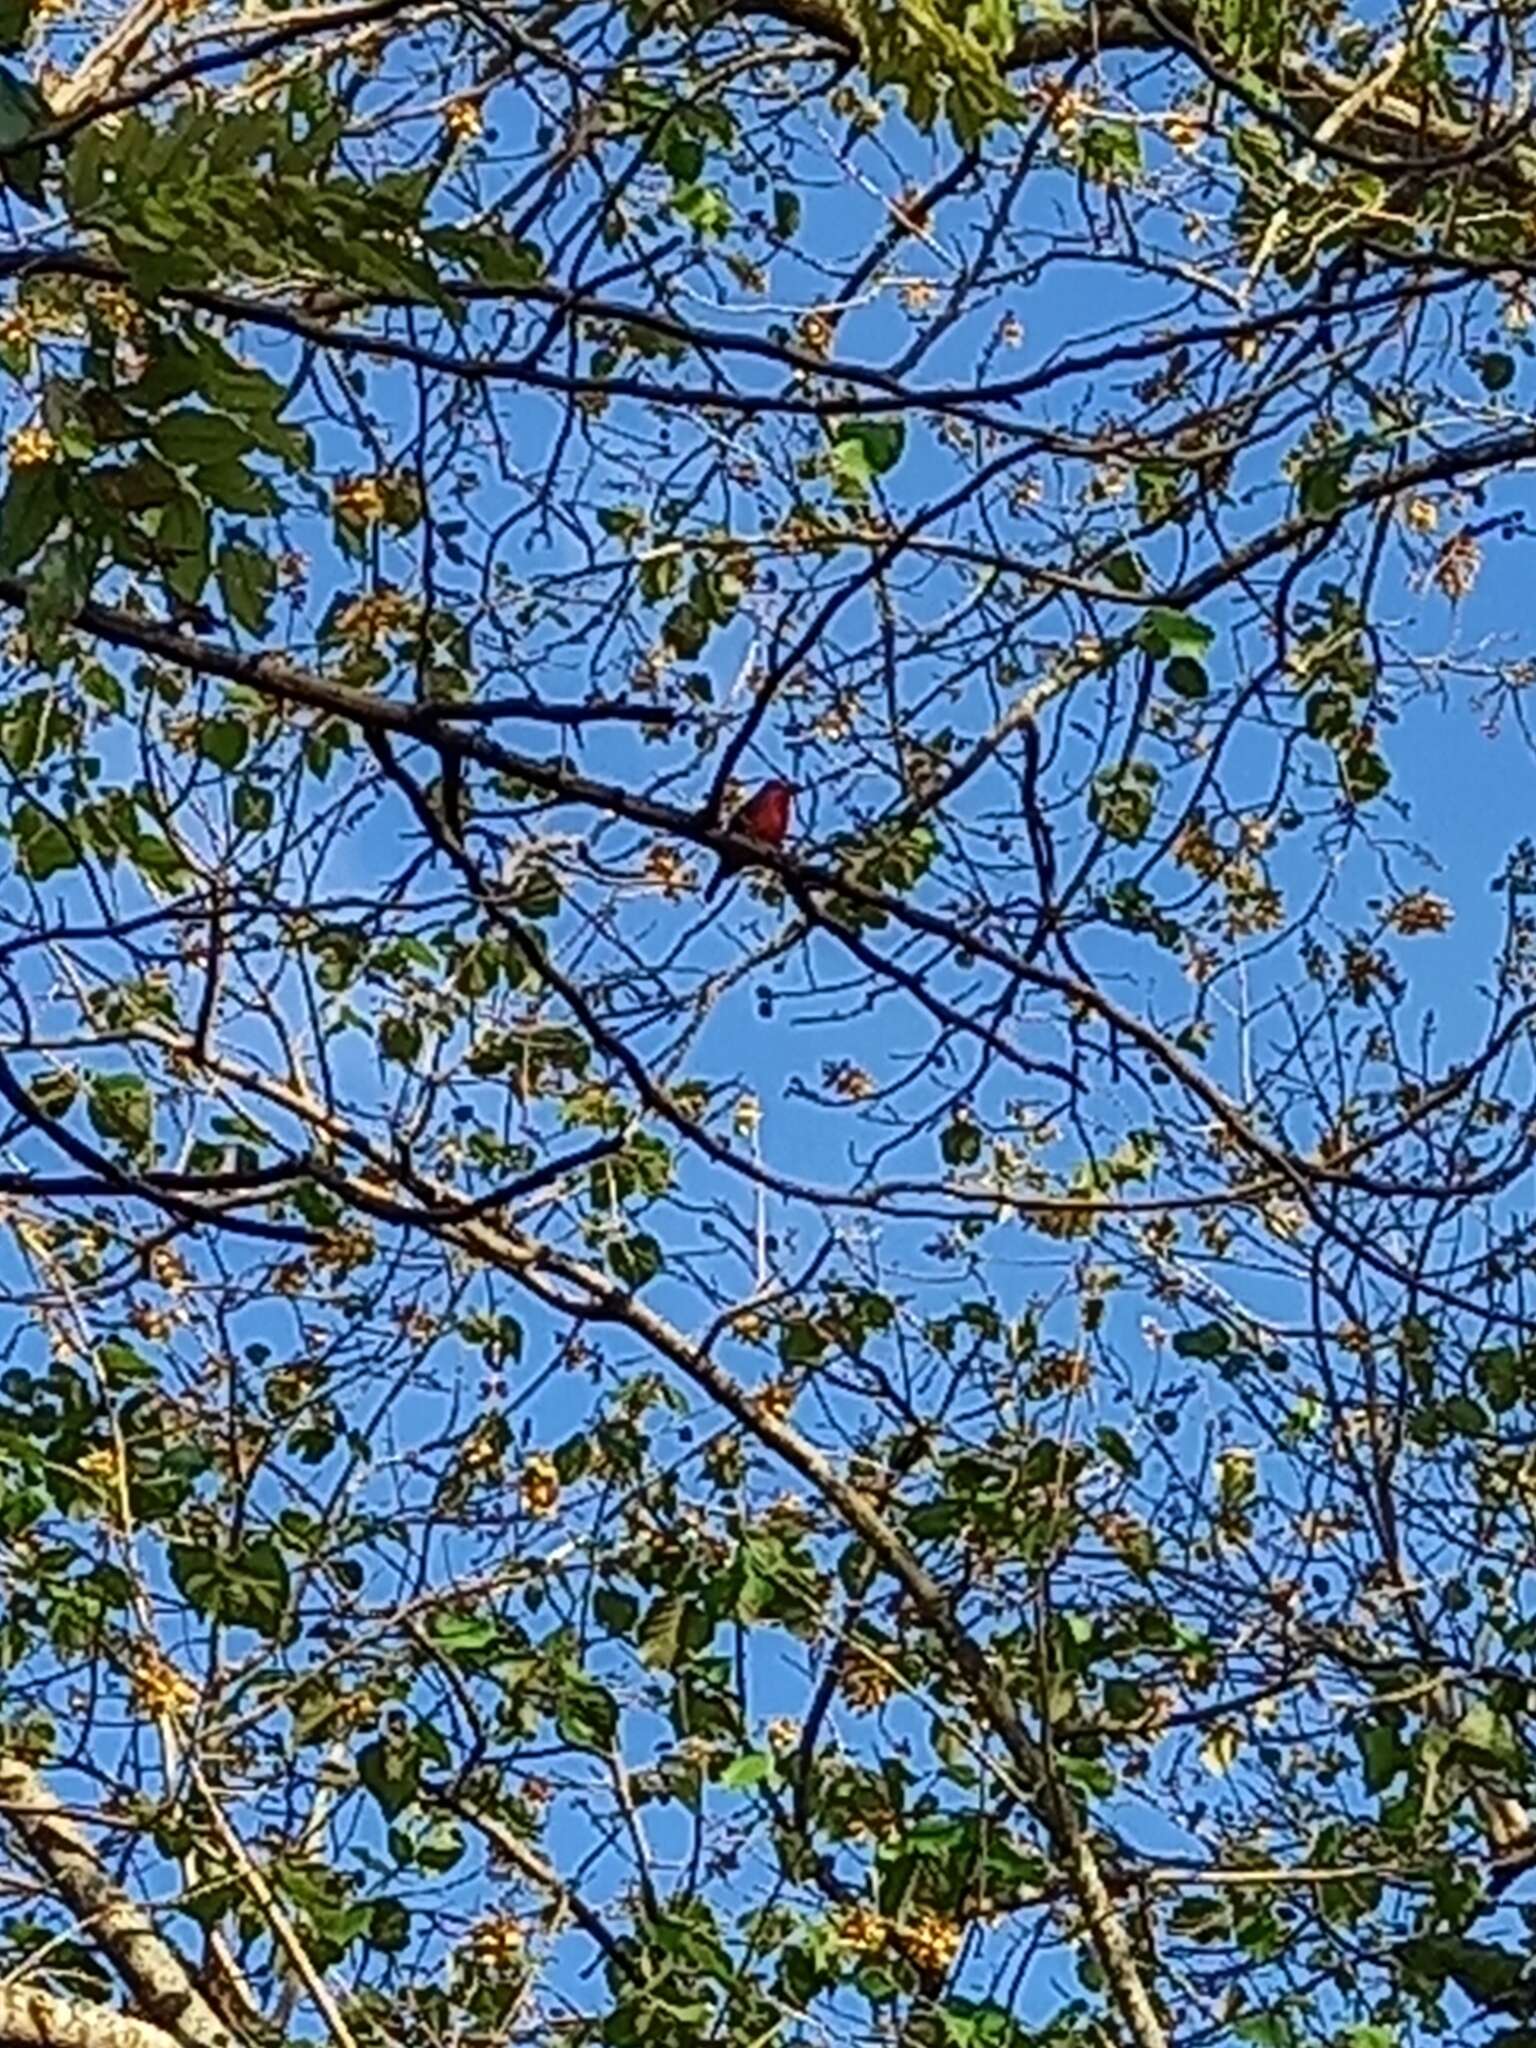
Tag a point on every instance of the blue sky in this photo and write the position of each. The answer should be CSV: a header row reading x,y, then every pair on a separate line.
x,y
1468,798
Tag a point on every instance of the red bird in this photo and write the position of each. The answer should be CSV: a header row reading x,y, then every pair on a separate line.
x,y
763,817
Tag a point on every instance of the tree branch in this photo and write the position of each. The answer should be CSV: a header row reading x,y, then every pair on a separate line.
x,y
30,2018
155,1972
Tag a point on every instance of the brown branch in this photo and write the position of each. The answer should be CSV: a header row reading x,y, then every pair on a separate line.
x,y
30,2018
1394,133
160,1189
82,100
876,389
158,1976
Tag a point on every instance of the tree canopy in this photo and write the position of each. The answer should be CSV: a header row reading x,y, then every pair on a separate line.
x,y
936,1445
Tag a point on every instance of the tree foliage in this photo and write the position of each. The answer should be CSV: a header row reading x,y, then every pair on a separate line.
x,y
937,1448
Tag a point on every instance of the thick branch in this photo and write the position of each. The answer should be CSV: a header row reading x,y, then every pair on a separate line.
x,y
1387,132
37,2019
155,1973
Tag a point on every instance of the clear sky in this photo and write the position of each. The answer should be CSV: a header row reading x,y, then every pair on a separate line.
x,y
769,1031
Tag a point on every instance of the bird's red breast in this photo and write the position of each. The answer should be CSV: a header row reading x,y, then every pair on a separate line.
x,y
765,815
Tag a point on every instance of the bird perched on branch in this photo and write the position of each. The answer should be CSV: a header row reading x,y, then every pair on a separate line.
x,y
763,817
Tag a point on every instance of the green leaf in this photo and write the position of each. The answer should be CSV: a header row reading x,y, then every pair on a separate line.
x,y
191,438
182,539
1382,1754
1110,152
1464,1415
1122,801
960,1142
1496,369
252,807
1163,632
389,1926
292,446
157,859
683,156
880,442
121,1108
463,1636
400,1039
1267,2030
15,15
635,1260
235,488
175,370
1114,1446
747,1771
686,629
587,1716
621,522
224,741
33,727
43,847
235,386
501,261
787,210
1322,487
1187,678
134,486
1159,486
1330,714
1364,774
616,1611
441,1846
32,508
390,1768
662,1631
121,1366
247,578
22,109
1210,1340
1497,1372
706,209
59,585
243,1586
863,450
801,1342
659,576
1484,1970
